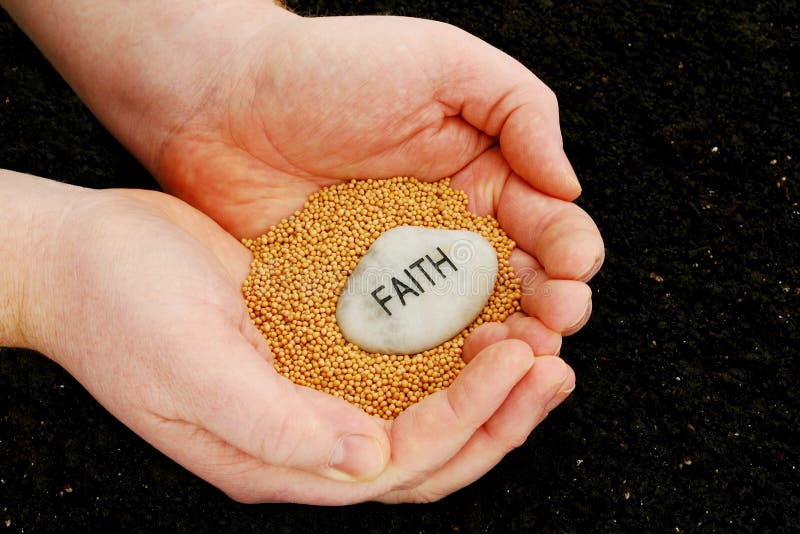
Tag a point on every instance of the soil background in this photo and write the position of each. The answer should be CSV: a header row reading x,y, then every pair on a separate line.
x,y
682,121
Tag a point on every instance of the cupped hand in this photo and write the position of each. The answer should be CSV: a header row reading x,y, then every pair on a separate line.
x,y
308,102
139,298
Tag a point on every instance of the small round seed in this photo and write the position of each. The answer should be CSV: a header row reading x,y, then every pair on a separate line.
x,y
301,265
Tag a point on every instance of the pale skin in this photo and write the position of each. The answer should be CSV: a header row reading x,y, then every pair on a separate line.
x,y
241,110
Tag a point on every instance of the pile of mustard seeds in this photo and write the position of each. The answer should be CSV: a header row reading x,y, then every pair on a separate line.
x,y
301,266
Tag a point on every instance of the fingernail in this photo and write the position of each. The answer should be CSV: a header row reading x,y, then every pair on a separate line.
x,y
586,313
559,389
598,262
356,457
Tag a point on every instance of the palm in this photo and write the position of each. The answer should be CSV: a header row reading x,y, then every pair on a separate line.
x,y
350,101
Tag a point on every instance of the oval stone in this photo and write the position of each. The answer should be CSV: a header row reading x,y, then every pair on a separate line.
x,y
416,288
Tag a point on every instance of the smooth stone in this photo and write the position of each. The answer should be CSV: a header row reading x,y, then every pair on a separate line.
x,y
416,288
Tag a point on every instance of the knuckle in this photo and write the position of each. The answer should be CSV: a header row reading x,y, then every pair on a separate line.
x,y
240,496
515,441
550,97
508,440
428,495
275,437
245,494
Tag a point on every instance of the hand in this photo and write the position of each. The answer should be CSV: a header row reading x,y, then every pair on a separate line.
x,y
259,108
319,101
254,108
243,109
138,296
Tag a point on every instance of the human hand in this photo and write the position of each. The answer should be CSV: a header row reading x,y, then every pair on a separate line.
x,y
312,102
259,108
138,296
243,109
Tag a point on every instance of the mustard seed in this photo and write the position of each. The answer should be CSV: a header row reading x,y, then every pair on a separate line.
x,y
301,266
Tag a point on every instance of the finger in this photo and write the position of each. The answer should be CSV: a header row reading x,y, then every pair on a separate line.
x,y
501,97
532,331
545,386
539,338
531,142
540,392
483,180
560,235
563,306
239,397
246,479
429,433
483,336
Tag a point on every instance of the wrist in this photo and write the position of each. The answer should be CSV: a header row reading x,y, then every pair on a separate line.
x,y
144,68
32,213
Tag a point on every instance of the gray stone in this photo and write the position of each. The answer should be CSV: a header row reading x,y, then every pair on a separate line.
x,y
415,288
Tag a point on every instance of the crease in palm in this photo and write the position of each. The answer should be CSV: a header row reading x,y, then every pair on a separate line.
x,y
324,120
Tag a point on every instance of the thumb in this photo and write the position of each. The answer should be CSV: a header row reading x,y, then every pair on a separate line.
x,y
242,400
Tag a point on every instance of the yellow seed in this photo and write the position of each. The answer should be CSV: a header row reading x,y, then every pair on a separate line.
x,y
300,268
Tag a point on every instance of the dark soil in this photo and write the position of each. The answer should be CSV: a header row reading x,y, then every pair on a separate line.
x,y
683,122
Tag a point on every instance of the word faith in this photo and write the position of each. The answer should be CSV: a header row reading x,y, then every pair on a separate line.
x,y
401,289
